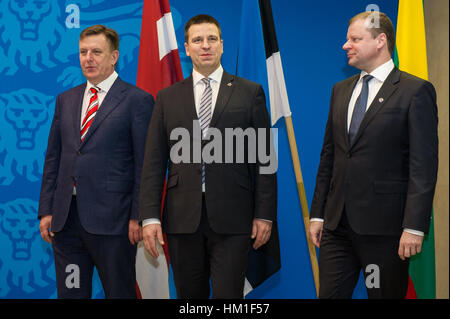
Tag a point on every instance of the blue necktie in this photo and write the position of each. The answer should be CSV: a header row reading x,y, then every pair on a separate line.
x,y
360,108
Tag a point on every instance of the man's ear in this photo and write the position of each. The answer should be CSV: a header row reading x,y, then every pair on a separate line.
x,y
382,40
115,56
186,48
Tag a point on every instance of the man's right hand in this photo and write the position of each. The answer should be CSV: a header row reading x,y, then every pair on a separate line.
x,y
315,232
152,232
44,226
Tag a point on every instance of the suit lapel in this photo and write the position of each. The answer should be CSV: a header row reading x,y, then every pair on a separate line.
x,y
112,99
343,115
76,109
225,90
188,93
385,92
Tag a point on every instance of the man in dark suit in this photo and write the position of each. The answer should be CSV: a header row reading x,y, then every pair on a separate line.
x,y
90,187
212,209
378,168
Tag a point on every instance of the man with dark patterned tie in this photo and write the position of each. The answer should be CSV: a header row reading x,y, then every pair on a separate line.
x,y
212,209
88,206
377,171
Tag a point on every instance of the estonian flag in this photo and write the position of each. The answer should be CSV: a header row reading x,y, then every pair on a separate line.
x,y
259,61
259,58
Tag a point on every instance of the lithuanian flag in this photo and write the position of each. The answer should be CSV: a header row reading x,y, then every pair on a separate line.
x,y
411,56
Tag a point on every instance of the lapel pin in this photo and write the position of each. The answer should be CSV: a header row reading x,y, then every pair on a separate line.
x,y
229,84
380,100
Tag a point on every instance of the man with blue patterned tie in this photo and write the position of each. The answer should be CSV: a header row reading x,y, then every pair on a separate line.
x,y
378,167
212,210
88,205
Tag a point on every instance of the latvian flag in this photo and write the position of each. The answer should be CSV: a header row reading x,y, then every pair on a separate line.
x,y
259,60
159,66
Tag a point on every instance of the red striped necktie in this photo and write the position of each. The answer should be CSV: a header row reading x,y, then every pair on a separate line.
x,y
90,113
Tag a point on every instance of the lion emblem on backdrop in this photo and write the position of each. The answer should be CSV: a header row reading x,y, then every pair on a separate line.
x,y
26,118
34,34
29,34
25,263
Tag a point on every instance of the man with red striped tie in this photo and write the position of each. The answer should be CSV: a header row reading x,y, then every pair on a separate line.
x,y
90,186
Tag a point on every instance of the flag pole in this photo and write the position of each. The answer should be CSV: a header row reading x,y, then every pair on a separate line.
x,y
303,200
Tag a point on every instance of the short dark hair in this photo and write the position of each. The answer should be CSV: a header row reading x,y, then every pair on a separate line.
x,y
110,34
385,26
199,19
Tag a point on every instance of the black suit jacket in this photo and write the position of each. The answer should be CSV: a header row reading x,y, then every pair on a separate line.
x,y
235,192
106,165
386,178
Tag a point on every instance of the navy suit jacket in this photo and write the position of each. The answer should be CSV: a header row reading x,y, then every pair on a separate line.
x,y
106,165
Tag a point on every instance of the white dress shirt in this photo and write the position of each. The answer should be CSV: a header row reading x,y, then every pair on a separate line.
x,y
199,87
103,88
379,76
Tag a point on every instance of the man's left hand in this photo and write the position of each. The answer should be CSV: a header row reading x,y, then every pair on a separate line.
x,y
134,232
261,231
410,245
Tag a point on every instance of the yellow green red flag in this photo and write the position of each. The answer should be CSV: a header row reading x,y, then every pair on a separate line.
x,y
411,56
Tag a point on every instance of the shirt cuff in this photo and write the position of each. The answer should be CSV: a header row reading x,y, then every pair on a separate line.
x,y
266,220
150,221
411,231
414,232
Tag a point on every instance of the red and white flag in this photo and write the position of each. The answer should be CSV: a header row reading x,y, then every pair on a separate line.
x,y
158,67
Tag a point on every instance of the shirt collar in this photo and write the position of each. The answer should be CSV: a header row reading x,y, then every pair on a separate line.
x,y
216,76
105,85
382,72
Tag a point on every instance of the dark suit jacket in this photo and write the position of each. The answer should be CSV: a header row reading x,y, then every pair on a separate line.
x,y
386,178
235,192
106,166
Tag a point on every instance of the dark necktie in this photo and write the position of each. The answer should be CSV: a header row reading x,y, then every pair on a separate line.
x,y
360,108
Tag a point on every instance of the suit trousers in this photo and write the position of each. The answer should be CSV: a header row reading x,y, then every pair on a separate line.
x,y
77,252
343,253
205,254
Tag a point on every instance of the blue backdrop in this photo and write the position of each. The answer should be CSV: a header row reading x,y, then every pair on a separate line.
x,y
39,60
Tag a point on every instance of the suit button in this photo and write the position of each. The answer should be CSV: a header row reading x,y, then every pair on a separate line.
x,y
78,153
349,155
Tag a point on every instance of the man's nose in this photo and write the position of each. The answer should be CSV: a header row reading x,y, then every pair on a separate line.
x,y
346,46
205,43
89,55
